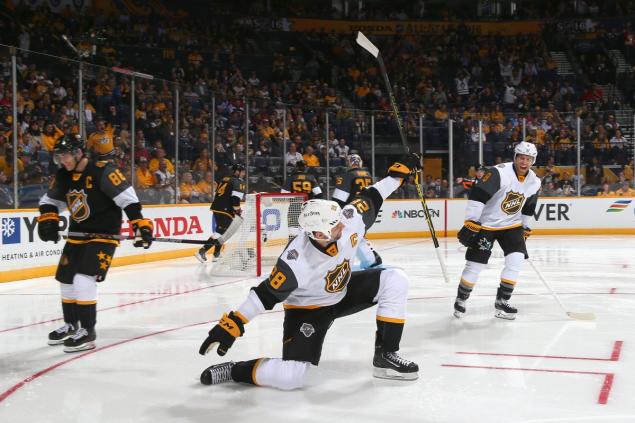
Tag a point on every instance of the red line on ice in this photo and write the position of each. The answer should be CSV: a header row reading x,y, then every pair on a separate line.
x,y
615,355
604,392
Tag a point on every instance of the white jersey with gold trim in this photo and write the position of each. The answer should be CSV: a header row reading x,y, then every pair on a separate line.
x,y
501,198
322,275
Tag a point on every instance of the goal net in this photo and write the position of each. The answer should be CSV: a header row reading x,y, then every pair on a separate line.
x,y
269,222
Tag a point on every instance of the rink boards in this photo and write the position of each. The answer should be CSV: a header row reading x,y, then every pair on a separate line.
x,y
23,255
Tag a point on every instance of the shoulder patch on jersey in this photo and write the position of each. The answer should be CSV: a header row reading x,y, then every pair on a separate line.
x,y
337,279
486,176
339,180
292,255
354,240
101,163
512,203
347,213
501,166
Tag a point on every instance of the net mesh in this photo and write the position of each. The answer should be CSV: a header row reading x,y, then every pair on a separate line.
x,y
278,224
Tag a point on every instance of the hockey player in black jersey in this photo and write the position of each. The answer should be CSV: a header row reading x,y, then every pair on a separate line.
x,y
314,280
94,193
301,182
347,187
226,212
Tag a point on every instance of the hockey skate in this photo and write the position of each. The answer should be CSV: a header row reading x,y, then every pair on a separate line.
x,y
218,373
200,255
58,336
82,340
459,307
217,248
504,310
390,365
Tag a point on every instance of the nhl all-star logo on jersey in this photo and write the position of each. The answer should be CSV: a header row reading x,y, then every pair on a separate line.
x,y
307,329
513,202
292,255
78,205
337,279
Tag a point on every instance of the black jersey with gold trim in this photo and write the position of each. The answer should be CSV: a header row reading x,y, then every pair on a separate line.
x,y
350,184
94,197
302,183
229,194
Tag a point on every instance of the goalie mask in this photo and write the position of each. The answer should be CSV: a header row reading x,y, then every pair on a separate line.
x,y
354,160
527,149
319,216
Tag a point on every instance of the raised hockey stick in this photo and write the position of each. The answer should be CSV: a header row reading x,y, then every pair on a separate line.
x,y
372,49
571,314
90,235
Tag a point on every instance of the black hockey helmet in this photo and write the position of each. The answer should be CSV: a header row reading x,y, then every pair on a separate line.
x,y
69,144
300,166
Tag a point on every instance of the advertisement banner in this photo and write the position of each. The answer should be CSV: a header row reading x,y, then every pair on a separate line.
x,y
20,246
412,27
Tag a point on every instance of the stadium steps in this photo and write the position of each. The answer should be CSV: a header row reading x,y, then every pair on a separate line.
x,y
620,63
561,59
611,91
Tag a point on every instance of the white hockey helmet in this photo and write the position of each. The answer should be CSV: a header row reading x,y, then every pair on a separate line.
x,y
354,160
319,216
526,148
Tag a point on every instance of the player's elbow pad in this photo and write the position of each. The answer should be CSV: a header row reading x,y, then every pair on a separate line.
x,y
267,299
133,211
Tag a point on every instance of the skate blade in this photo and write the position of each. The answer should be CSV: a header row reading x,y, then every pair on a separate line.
x,y
56,342
506,316
199,258
84,347
458,314
383,373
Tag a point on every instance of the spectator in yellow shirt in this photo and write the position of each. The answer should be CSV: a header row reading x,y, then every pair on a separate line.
x,y
310,158
206,187
188,191
102,140
50,134
144,178
154,163
6,163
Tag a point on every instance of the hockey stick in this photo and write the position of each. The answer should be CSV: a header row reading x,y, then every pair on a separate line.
x,y
367,45
90,235
571,314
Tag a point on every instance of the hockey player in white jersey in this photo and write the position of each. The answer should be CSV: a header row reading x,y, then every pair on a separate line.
x,y
313,279
347,186
500,208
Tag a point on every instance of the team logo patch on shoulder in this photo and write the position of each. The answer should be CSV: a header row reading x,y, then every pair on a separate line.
x,y
307,329
292,255
337,279
513,202
347,213
486,176
78,205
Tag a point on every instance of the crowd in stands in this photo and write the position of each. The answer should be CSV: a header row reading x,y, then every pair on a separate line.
x,y
265,111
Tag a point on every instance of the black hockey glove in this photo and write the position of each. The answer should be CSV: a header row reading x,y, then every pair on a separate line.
x,y
526,232
229,327
48,227
406,165
469,233
142,233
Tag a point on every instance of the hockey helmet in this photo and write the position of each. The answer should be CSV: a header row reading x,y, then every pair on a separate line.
x,y
69,144
319,216
354,160
527,149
